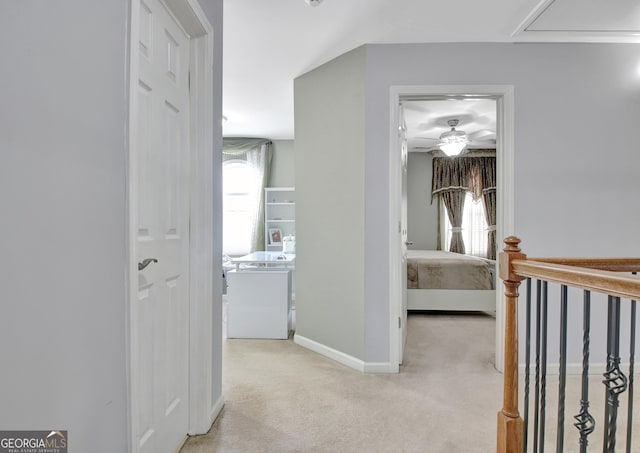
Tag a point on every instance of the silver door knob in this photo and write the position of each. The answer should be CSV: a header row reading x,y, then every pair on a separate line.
x,y
145,262
408,242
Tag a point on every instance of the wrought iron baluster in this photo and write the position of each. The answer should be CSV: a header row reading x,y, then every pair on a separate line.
x,y
632,354
562,384
543,371
614,380
609,352
525,433
536,416
584,420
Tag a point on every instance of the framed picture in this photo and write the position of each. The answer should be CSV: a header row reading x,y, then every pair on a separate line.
x,y
275,236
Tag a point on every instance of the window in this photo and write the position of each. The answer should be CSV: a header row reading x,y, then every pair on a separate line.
x,y
237,208
474,227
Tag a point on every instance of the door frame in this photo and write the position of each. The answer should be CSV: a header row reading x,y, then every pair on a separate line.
x,y
505,202
202,413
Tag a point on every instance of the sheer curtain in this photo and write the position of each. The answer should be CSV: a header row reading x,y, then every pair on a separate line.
x,y
474,227
472,176
257,153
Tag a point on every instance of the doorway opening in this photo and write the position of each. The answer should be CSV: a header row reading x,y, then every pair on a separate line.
x,y
502,99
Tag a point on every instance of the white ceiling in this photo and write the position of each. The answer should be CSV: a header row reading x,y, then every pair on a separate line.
x,y
426,119
267,44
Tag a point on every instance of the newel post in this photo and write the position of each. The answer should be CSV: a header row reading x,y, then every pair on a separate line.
x,y
510,424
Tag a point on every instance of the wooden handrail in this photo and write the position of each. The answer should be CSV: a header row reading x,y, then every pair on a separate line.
x,y
603,264
602,281
593,274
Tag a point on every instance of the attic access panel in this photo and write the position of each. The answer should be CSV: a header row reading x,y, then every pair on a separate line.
x,y
578,16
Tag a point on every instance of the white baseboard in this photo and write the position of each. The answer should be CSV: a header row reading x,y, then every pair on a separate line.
x,y
204,425
215,410
341,357
333,354
379,367
573,369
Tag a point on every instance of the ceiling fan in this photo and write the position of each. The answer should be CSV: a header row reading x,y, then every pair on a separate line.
x,y
454,141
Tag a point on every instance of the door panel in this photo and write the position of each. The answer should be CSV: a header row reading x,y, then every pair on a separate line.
x,y
404,156
161,314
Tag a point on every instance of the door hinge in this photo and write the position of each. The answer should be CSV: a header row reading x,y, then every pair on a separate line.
x,y
399,322
189,81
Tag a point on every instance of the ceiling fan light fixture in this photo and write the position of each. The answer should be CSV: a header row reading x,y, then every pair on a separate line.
x,y
313,2
453,141
452,149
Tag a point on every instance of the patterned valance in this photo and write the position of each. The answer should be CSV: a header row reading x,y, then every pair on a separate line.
x,y
466,173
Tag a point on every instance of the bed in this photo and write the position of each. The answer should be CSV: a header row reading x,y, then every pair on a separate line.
x,y
438,280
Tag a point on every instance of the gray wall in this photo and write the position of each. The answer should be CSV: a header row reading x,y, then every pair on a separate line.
x,y
63,149
329,147
577,109
576,114
283,164
422,216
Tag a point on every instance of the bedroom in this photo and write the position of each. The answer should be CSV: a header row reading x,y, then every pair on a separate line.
x,y
472,123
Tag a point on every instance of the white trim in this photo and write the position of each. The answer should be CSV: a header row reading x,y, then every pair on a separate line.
x,y
131,274
505,201
215,411
504,94
532,16
333,354
573,369
378,368
191,17
341,357
201,314
395,225
522,34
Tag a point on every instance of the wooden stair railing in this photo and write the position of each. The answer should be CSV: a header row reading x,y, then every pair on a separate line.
x,y
590,274
510,424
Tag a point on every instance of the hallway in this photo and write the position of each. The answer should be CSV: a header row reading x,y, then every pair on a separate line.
x,y
281,397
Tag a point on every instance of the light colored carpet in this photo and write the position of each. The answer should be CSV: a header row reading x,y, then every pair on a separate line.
x,y
280,397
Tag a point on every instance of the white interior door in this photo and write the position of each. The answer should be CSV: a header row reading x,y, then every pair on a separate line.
x,y
404,155
161,314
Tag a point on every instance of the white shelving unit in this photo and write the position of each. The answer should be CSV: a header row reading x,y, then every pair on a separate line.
x,y
279,214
